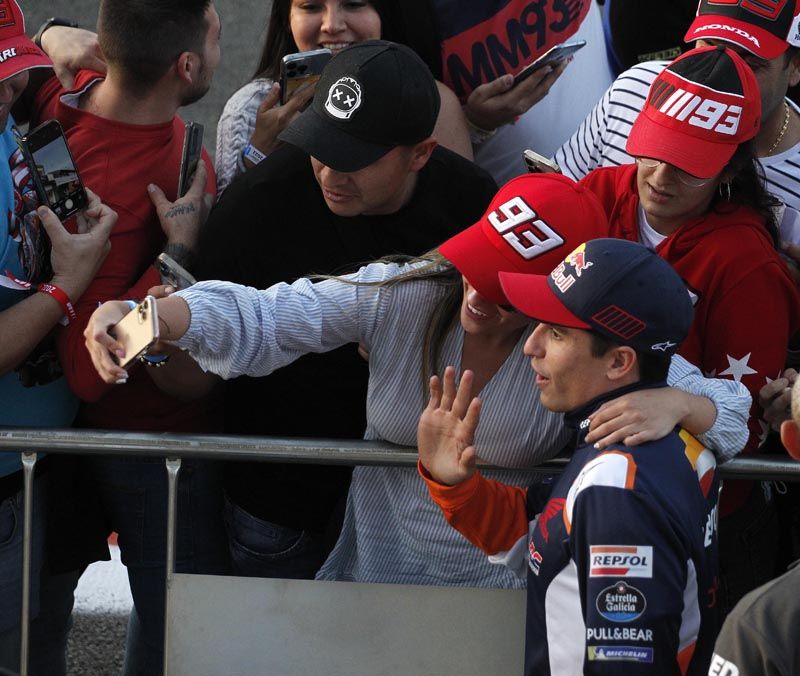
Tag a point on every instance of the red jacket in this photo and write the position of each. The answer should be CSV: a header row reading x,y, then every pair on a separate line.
x,y
747,305
117,161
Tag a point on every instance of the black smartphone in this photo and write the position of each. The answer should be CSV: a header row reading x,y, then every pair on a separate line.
x,y
53,170
551,56
192,151
299,68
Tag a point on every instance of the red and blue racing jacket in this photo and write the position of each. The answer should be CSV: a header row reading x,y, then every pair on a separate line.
x,y
620,551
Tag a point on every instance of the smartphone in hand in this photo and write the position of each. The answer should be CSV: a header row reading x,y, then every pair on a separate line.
x,y
299,68
173,273
539,164
551,57
137,331
53,170
192,151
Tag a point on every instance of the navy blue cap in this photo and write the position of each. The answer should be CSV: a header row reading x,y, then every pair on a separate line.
x,y
617,288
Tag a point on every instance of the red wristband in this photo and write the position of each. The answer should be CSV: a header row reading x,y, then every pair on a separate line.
x,y
63,299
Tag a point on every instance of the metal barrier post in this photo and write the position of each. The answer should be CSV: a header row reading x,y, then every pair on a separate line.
x,y
173,468
28,465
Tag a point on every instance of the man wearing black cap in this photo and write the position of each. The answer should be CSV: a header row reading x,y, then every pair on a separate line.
x,y
359,177
622,557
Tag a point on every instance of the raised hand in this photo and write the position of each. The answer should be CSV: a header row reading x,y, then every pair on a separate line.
x,y
272,119
446,431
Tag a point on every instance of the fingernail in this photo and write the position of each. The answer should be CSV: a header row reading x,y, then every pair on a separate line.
x,y
169,289
121,381
150,187
597,445
119,353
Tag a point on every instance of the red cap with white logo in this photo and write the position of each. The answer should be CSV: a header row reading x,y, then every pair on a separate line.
x,y
764,27
17,51
698,111
533,222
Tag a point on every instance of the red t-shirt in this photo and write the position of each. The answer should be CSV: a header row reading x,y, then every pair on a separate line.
x,y
117,161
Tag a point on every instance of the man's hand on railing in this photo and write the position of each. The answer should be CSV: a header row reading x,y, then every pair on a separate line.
x,y
447,429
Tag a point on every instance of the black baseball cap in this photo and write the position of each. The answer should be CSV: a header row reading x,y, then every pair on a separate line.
x,y
614,287
372,97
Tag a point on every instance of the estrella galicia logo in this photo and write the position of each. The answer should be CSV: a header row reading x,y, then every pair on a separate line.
x,y
621,603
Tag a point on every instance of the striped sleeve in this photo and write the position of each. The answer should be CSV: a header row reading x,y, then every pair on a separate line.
x,y
600,140
728,435
237,330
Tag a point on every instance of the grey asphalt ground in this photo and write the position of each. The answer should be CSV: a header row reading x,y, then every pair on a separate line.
x,y
243,31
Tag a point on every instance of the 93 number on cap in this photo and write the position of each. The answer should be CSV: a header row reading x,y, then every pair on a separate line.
x,y
529,242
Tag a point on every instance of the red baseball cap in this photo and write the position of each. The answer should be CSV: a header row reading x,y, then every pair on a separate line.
x,y
17,51
764,27
532,223
698,111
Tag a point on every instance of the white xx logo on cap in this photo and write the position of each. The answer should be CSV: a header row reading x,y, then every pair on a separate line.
x,y
344,98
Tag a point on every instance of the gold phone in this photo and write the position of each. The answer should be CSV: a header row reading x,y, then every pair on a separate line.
x,y
137,331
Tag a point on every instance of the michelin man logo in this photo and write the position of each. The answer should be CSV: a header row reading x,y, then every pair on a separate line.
x,y
344,98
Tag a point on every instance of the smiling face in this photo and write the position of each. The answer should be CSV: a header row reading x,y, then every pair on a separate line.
x,y
332,24
567,373
482,317
669,202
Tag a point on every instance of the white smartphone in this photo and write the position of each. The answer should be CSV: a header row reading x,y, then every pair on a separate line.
x,y
299,68
137,331
552,56
539,164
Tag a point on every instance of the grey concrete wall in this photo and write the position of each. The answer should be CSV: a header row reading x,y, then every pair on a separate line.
x,y
243,29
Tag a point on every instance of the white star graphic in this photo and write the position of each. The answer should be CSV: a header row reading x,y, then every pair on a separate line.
x,y
738,367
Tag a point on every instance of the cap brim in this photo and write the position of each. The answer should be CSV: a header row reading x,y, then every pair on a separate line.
x,y
478,260
698,157
331,145
532,295
752,38
27,56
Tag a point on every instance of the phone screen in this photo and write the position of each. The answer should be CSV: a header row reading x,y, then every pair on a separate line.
x,y
56,171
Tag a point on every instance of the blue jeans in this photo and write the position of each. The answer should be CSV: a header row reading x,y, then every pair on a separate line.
x,y
133,497
51,596
259,548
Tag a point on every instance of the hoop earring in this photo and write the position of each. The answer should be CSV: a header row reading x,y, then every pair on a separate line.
x,y
726,193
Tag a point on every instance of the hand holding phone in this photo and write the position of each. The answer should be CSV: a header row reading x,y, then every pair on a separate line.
x,y
552,57
300,68
137,331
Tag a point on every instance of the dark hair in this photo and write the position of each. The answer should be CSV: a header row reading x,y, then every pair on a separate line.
x,y
145,37
279,41
748,188
653,368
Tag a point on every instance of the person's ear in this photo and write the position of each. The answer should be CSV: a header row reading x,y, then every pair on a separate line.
x,y
794,68
186,67
620,362
421,153
790,436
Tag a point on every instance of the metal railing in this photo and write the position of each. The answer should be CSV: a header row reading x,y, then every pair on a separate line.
x,y
174,447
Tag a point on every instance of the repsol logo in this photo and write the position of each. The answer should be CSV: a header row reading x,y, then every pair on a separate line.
x,y
696,110
517,34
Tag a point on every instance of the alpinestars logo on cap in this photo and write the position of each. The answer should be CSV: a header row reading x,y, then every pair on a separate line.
x,y
344,98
